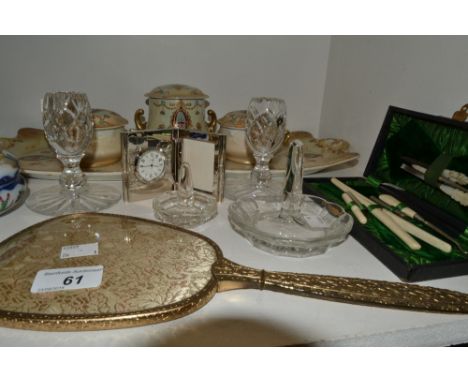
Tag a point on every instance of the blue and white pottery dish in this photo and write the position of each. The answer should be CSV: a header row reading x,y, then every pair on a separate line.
x,y
12,185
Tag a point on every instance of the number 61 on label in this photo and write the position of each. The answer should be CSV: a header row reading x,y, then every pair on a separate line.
x,y
69,279
61,279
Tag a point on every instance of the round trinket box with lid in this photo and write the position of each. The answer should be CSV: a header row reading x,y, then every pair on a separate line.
x,y
176,106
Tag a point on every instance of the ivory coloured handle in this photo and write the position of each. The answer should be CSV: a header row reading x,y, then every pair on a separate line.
x,y
390,200
354,208
420,233
386,220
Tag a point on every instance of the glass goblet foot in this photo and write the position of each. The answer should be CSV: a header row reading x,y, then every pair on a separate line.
x,y
240,187
56,200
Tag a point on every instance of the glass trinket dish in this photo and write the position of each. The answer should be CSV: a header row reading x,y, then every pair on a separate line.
x,y
185,207
320,226
291,224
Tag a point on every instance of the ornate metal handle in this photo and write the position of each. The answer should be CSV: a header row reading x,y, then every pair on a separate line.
x,y
342,289
212,122
139,119
462,114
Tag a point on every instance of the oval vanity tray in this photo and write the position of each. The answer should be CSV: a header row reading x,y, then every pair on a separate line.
x,y
38,161
312,164
153,272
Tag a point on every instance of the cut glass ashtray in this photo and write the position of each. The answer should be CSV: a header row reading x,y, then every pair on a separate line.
x,y
169,207
311,227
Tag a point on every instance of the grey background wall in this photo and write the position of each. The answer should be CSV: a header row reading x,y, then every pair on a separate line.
x,y
337,86
117,71
366,74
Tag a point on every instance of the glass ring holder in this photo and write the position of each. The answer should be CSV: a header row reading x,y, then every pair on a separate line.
x,y
69,129
290,224
185,207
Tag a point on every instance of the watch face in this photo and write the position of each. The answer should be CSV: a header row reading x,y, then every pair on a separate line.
x,y
150,165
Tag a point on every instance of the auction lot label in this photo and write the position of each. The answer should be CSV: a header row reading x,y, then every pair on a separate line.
x,y
52,280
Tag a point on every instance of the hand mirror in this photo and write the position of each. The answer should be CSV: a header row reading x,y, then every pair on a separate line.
x,y
155,272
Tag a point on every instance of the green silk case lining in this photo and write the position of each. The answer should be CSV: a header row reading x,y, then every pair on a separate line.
x,y
426,255
428,142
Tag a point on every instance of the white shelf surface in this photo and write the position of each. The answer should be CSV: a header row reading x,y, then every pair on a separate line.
x,y
263,318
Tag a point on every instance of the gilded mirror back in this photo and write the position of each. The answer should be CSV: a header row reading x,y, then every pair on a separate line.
x,y
151,272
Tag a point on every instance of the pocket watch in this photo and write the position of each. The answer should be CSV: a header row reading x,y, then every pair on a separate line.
x,y
147,163
150,165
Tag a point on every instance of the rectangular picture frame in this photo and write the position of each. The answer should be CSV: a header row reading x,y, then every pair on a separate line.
x,y
204,151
